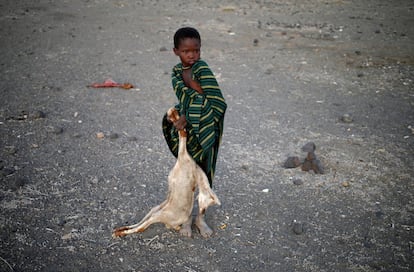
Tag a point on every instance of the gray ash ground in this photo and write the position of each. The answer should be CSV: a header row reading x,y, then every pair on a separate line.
x,y
336,73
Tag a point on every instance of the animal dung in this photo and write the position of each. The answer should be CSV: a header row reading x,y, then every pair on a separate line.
x,y
309,147
311,161
292,162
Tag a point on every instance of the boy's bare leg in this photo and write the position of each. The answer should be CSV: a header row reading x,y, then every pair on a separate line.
x,y
202,226
186,227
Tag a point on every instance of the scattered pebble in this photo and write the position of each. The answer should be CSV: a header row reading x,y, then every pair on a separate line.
x,y
100,135
379,214
11,150
163,49
347,118
345,184
297,228
228,9
132,139
297,181
38,114
54,130
245,167
255,42
113,136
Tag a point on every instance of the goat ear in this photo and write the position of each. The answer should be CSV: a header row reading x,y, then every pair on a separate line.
x,y
214,199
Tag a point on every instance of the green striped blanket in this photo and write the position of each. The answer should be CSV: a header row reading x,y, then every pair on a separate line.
x,y
204,114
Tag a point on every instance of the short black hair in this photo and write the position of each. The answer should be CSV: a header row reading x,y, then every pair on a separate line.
x,y
184,33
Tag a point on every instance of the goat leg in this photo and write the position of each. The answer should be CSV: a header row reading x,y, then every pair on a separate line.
x,y
142,225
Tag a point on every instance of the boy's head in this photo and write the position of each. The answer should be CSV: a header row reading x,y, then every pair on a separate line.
x,y
185,33
187,44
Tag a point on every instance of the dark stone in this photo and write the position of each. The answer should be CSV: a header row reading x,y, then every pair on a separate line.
x,y
38,114
297,181
132,139
113,136
298,228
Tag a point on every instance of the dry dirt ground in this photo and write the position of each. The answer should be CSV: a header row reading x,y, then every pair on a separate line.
x,y
338,73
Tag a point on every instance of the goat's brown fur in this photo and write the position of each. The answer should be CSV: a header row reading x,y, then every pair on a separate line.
x,y
183,179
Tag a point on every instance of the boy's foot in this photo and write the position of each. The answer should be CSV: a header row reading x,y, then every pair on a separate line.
x,y
202,226
186,228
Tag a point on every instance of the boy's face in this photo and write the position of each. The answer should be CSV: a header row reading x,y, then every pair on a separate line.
x,y
188,51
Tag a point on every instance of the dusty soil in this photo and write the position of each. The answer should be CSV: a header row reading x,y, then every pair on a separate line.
x,y
336,73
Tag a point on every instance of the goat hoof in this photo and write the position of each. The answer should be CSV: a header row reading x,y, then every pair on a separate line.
x,y
119,232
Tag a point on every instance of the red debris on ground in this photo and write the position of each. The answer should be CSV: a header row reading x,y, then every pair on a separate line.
x,y
109,83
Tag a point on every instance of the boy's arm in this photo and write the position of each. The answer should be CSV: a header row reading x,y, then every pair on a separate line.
x,y
190,82
183,93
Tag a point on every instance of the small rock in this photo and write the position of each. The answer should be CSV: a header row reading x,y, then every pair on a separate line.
x,y
38,114
268,71
67,236
113,136
379,214
54,130
291,162
297,228
347,118
345,184
297,181
132,139
255,42
100,135
163,49
34,146
11,150
61,222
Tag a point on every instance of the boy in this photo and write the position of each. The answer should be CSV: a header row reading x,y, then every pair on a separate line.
x,y
201,107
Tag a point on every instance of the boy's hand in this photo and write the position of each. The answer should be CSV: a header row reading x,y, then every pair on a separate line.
x,y
181,123
190,82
